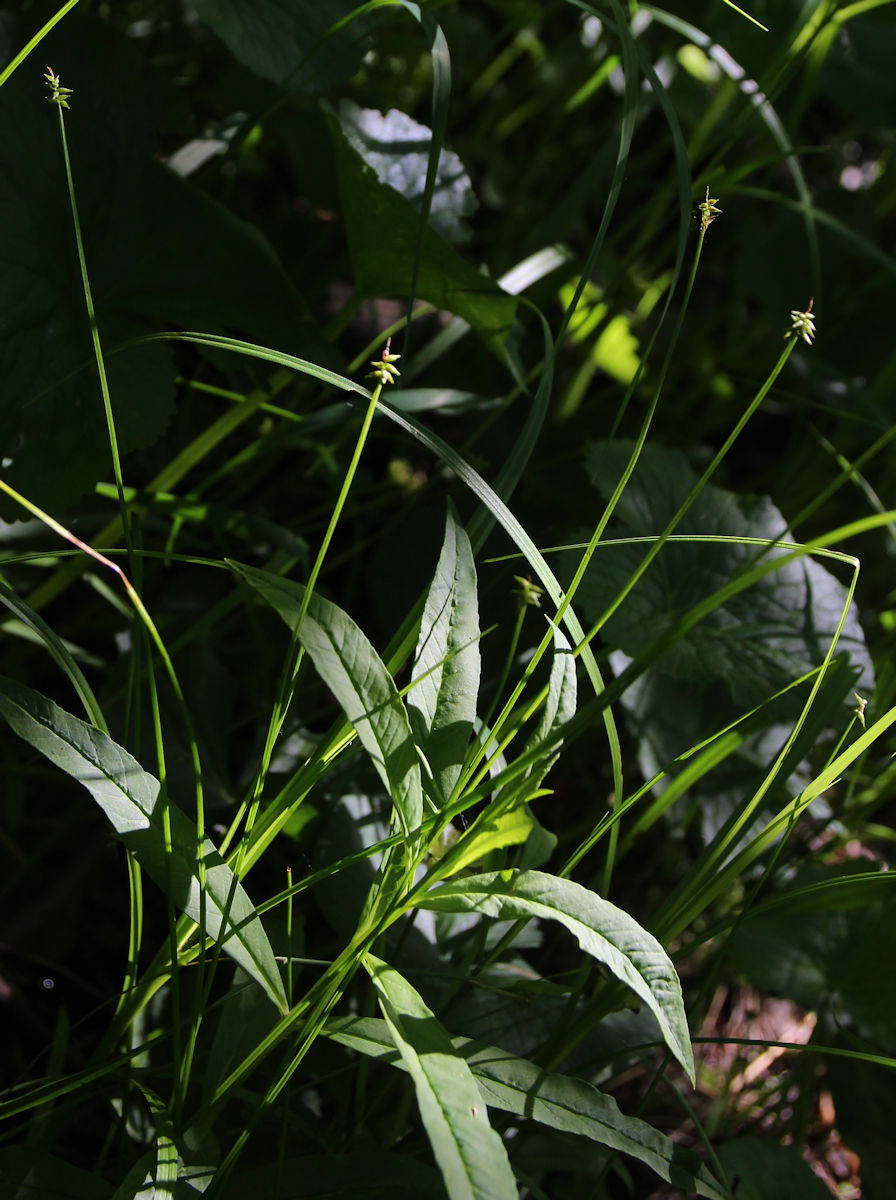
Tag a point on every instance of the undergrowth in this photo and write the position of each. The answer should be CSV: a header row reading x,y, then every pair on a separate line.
x,y
441,569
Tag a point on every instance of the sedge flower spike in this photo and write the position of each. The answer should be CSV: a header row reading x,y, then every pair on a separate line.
x,y
802,324
385,370
529,593
709,210
58,94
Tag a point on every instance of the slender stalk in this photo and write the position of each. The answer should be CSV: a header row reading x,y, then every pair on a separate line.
x,y
59,97
547,640
293,659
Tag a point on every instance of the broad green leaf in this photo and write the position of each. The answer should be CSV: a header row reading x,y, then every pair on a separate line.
x,y
354,672
604,931
129,796
470,1154
292,44
397,147
244,1020
447,661
748,649
383,227
806,948
762,638
563,1102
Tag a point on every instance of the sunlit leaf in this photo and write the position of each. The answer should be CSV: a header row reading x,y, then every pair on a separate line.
x,y
397,148
382,228
447,660
516,1085
354,672
602,930
470,1154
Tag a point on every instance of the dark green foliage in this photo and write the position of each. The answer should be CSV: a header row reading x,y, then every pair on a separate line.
x,y
341,852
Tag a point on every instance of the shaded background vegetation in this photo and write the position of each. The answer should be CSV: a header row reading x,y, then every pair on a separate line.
x,y
243,170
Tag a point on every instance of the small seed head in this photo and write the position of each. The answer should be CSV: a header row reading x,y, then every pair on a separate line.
x,y
529,593
58,94
709,210
384,370
802,324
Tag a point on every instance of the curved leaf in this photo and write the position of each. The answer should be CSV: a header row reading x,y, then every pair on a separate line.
x,y
516,1085
604,931
129,796
470,1154
355,674
447,661
560,707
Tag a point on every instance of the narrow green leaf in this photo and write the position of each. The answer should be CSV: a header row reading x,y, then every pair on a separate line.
x,y
470,1154
743,13
160,1181
129,797
604,931
560,707
490,832
447,661
560,1101
354,672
